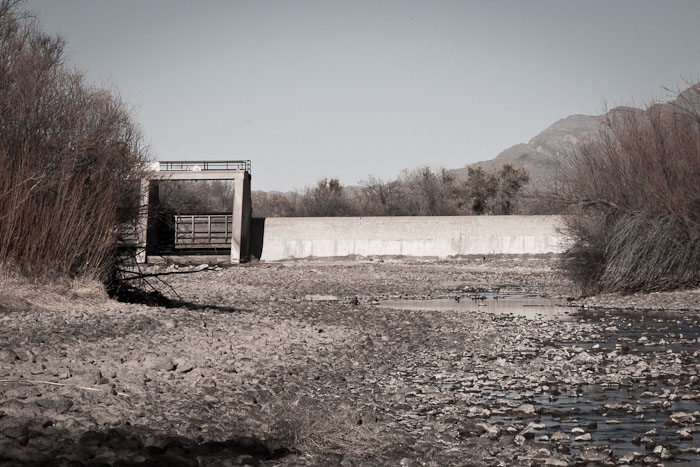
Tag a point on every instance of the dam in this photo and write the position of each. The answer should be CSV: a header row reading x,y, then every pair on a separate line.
x,y
281,238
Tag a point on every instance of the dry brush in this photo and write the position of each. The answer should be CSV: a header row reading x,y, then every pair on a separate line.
x,y
637,227
70,153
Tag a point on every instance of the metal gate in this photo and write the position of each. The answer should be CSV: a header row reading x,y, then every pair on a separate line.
x,y
203,231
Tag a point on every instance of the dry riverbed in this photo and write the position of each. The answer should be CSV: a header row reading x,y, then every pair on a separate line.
x,y
298,363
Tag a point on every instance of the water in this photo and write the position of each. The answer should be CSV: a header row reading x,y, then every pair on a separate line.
x,y
609,413
531,307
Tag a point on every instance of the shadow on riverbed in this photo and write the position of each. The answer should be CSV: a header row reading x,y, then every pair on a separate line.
x,y
127,447
157,299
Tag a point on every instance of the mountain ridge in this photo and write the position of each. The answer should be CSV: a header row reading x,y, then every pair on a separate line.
x,y
541,155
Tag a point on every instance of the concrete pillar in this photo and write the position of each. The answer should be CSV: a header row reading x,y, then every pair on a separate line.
x,y
242,213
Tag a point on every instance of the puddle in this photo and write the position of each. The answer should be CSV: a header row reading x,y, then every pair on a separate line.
x,y
531,307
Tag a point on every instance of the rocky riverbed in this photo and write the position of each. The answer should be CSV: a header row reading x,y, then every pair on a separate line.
x,y
300,363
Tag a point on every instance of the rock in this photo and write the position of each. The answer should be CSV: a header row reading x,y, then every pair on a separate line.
x,y
594,454
104,418
662,452
15,431
8,356
684,434
528,432
157,362
183,365
469,429
527,411
554,462
58,404
584,437
399,398
681,418
560,437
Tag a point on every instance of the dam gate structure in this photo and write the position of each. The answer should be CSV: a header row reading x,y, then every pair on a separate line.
x,y
219,230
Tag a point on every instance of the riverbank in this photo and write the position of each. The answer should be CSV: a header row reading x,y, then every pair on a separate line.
x,y
294,363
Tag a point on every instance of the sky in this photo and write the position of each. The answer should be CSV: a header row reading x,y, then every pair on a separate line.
x,y
346,89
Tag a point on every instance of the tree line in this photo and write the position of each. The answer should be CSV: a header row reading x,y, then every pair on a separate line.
x,y
419,192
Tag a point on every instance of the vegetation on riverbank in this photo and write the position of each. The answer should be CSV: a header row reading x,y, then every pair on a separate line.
x,y
637,227
71,154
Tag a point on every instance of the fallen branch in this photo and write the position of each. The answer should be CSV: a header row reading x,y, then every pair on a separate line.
x,y
158,274
53,383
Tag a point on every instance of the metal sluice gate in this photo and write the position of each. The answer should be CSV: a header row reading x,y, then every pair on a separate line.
x,y
203,231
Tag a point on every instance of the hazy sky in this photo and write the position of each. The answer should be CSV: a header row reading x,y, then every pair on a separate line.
x,y
312,89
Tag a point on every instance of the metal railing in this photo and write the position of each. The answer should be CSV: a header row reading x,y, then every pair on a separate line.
x,y
203,231
197,166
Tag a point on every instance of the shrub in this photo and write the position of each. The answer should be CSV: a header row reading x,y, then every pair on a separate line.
x,y
71,158
636,187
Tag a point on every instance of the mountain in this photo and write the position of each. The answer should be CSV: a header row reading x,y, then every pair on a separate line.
x,y
540,155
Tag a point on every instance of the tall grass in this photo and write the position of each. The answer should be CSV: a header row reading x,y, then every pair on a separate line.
x,y
638,192
70,157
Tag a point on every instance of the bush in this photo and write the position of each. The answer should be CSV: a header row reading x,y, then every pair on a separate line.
x,y
636,187
70,154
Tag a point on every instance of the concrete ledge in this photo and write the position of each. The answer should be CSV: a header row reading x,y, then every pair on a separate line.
x,y
302,237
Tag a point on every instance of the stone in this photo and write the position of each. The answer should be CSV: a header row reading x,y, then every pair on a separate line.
x,y
560,437
595,454
681,418
8,356
527,411
58,404
157,362
183,365
554,462
584,437
662,452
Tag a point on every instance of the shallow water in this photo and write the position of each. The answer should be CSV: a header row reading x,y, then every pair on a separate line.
x,y
659,335
532,307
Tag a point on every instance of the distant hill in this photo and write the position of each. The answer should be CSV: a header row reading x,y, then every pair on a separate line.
x,y
541,154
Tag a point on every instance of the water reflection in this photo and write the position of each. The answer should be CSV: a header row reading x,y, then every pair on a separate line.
x,y
531,307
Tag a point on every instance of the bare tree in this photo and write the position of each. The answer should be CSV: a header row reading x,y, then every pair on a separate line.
x,y
70,153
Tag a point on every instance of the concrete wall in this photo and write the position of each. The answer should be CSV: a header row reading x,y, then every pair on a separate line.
x,y
300,237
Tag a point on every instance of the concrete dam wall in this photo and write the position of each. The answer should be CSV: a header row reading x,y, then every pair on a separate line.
x,y
301,237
